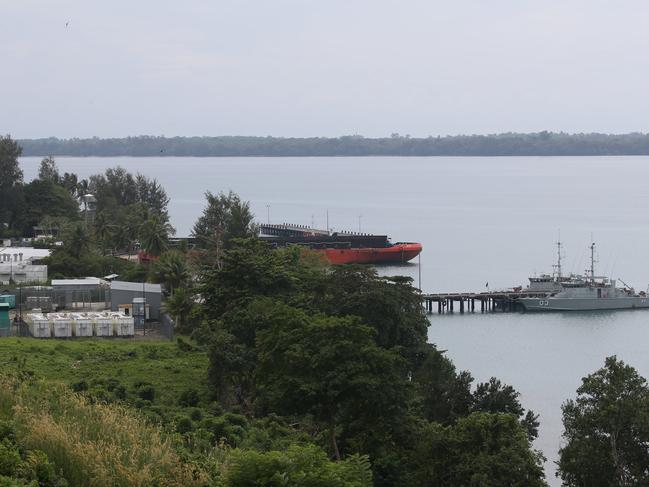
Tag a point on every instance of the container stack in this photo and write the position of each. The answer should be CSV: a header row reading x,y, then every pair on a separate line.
x,y
67,325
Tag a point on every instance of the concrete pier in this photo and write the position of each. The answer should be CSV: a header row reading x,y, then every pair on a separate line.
x,y
497,301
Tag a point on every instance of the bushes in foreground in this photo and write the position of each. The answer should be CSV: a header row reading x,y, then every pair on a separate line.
x,y
51,436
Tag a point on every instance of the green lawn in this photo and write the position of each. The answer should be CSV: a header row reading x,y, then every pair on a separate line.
x,y
116,369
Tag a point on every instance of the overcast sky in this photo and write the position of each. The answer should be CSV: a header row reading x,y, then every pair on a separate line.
x,y
329,67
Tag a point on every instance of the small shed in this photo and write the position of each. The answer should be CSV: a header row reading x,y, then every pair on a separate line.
x,y
123,293
10,299
5,323
78,293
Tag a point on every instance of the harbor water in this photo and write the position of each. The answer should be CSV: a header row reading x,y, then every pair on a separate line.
x,y
485,223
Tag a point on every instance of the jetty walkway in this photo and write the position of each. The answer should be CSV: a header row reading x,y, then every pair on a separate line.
x,y
466,302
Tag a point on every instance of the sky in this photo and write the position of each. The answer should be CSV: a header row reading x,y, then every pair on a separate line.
x,y
74,68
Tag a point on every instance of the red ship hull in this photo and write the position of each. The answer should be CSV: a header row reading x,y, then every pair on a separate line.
x,y
400,252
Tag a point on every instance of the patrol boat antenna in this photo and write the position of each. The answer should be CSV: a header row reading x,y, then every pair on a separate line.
x,y
558,266
592,262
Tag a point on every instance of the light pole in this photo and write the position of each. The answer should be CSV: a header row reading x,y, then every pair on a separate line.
x,y
268,214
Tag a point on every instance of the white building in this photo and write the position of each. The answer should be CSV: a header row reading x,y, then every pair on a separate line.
x,y
17,265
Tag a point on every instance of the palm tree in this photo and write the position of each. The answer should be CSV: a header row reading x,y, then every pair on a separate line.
x,y
154,236
179,305
172,270
105,232
78,241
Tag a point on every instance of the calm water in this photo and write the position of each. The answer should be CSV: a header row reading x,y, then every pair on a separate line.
x,y
481,220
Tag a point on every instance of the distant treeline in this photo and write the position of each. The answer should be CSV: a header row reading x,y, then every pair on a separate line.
x,y
510,144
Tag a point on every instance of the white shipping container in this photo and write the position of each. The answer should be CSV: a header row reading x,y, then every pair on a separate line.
x,y
82,325
124,326
103,325
39,325
62,328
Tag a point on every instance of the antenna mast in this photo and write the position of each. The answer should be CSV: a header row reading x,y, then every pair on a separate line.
x,y
592,262
559,258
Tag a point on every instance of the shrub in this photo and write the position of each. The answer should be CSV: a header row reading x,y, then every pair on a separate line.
x,y
183,345
146,392
80,386
189,398
9,458
185,425
120,392
93,444
306,466
196,414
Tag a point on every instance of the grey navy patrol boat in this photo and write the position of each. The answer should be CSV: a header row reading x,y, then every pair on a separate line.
x,y
581,293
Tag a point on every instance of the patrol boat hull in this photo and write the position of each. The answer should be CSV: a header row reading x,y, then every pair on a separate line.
x,y
583,304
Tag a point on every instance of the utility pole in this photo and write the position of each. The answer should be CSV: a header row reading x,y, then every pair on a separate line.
x,y
144,306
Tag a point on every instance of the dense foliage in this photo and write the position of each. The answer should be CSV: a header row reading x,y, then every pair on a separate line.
x,y
342,355
507,144
607,429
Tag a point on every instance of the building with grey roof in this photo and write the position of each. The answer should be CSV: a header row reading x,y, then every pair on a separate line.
x,y
123,292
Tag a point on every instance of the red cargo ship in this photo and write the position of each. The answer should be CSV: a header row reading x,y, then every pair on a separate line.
x,y
342,247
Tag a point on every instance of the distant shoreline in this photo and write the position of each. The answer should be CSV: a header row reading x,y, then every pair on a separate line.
x,y
497,145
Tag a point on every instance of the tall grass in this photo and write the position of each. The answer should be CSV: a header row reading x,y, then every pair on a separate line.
x,y
94,444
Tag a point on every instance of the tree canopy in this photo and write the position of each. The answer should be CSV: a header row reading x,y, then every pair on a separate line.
x,y
343,352
607,429
505,144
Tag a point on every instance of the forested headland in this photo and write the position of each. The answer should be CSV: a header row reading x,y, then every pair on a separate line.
x,y
506,144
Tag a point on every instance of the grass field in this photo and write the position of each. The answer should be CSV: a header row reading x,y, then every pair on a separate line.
x,y
124,368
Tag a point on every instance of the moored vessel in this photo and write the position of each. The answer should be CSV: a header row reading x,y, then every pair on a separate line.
x,y
582,293
341,247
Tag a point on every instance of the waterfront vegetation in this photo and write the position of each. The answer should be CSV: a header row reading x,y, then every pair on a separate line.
x,y
286,372
506,144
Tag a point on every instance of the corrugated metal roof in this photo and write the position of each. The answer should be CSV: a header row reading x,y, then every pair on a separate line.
x,y
28,253
87,281
135,287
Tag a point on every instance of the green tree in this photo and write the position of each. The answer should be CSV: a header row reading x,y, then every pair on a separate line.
x,y
225,218
172,270
10,173
444,393
482,449
390,304
607,429
329,367
11,194
179,305
298,466
76,241
154,235
496,397
43,198
48,171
